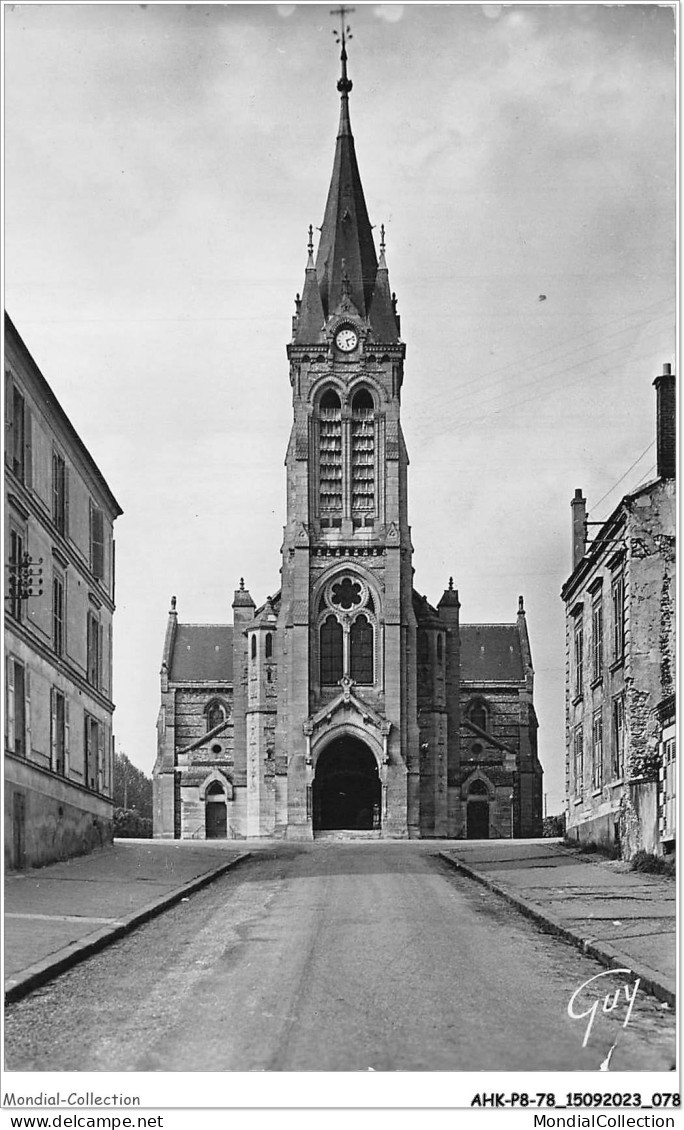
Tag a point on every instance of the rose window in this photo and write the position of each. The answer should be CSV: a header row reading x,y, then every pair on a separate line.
x,y
346,594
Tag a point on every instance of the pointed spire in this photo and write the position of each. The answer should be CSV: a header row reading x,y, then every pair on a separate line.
x,y
449,598
346,230
169,641
525,642
310,317
242,598
382,313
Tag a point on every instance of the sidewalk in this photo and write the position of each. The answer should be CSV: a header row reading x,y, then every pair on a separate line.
x,y
55,916
620,917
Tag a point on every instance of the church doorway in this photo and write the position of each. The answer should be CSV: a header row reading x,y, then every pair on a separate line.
x,y
346,788
477,812
216,819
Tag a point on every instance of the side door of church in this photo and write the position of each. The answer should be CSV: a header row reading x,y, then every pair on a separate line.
x,y
217,821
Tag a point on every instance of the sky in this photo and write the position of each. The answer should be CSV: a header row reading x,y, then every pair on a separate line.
x,y
162,165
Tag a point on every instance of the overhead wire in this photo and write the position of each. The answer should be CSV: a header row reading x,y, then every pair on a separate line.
x,y
448,420
524,361
622,477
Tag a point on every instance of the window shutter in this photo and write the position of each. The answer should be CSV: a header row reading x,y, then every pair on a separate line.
x,y
96,541
66,501
101,683
67,736
86,748
28,449
106,763
53,729
27,712
100,756
9,418
10,705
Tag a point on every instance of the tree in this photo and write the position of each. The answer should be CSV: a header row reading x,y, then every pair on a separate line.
x,y
132,789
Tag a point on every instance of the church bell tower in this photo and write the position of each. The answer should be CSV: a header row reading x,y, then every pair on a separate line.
x,y
347,712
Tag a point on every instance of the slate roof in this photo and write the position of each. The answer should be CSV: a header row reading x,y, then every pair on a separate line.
x,y
346,233
491,653
202,653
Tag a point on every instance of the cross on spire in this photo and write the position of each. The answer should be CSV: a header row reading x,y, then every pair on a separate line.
x,y
344,84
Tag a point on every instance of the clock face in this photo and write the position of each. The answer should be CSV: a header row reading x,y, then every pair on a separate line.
x,y
346,339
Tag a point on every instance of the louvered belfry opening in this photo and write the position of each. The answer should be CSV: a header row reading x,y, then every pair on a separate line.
x,y
363,453
330,453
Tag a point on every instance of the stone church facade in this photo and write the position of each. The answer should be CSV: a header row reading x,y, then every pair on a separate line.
x,y
347,700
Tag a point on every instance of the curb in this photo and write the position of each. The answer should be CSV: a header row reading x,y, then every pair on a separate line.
x,y
50,967
653,982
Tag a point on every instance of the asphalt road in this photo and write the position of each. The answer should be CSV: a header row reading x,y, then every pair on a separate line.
x,y
336,957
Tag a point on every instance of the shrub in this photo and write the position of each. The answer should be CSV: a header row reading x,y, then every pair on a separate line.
x,y
653,864
554,826
128,823
590,847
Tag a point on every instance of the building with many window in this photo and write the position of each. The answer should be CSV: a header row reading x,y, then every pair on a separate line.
x,y
620,649
59,601
347,700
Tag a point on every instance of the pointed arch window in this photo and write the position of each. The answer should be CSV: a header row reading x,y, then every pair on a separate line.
x,y
332,659
478,789
330,452
361,651
269,645
477,713
363,452
216,713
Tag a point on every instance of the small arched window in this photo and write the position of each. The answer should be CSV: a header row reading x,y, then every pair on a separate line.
x,y
331,651
361,651
478,715
216,714
215,789
253,647
269,645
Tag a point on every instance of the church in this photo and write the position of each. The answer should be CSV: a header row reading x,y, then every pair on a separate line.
x,y
347,702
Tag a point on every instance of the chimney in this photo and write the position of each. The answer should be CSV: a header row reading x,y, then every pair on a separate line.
x,y
666,435
579,527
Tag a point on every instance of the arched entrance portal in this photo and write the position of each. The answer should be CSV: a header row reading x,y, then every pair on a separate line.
x,y
346,788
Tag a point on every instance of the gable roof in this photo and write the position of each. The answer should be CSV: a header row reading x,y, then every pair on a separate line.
x,y
202,653
491,653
